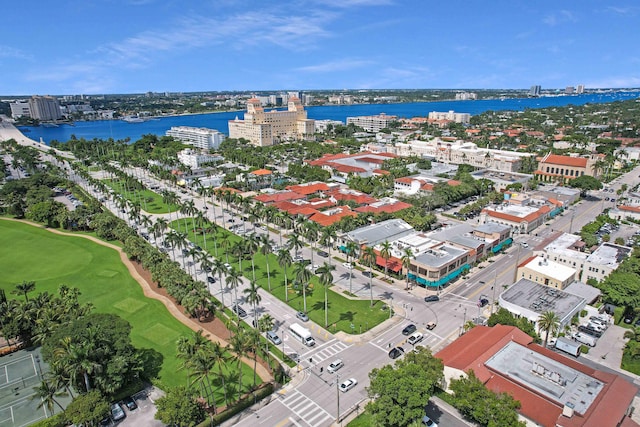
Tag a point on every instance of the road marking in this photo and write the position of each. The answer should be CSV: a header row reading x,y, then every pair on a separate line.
x,y
298,403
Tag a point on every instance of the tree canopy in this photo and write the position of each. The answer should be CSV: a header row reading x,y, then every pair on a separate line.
x,y
179,407
400,392
585,183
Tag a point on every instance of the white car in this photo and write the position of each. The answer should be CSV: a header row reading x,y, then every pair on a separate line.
x,y
428,422
415,338
348,385
347,265
334,366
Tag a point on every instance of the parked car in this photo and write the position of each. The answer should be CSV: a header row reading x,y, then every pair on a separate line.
x,y
117,413
131,404
334,366
273,337
428,422
431,325
211,279
347,265
396,352
409,329
431,298
239,311
302,316
323,254
228,266
590,331
348,385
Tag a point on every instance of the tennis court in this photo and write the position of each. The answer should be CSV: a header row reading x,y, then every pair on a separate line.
x,y
19,374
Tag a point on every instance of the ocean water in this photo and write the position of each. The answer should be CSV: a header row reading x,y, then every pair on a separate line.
x,y
118,129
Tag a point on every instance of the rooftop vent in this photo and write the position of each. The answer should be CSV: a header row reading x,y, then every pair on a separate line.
x,y
567,410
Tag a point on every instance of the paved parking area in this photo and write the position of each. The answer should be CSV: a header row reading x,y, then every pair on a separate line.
x,y
144,415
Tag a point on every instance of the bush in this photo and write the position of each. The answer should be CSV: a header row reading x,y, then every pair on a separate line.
x,y
55,421
584,349
243,404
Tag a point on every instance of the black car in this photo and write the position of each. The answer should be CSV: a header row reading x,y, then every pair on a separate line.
x,y
211,279
131,404
431,298
323,254
239,311
409,329
396,352
590,331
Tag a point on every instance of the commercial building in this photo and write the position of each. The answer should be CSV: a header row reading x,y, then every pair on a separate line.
x,y
372,123
540,270
202,138
461,153
439,265
195,159
373,234
566,249
522,219
264,128
451,116
603,261
553,167
553,390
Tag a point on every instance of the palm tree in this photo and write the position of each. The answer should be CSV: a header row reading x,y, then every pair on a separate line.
x,y
351,249
24,288
238,251
385,252
240,346
407,256
220,357
253,297
550,323
284,261
302,276
295,243
266,246
159,228
311,234
47,392
369,257
326,279
234,281
327,237
251,245
218,268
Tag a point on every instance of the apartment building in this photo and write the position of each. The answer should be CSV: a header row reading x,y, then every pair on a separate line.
x,y
195,159
265,128
450,116
202,138
372,123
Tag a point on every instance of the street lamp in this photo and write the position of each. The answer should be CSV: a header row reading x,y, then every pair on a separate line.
x,y
338,395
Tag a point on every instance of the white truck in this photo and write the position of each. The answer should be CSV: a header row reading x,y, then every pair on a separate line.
x,y
302,334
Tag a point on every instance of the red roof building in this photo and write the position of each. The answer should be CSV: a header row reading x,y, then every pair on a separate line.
x,y
307,189
554,167
553,390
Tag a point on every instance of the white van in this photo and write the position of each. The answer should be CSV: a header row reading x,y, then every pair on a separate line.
x,y
302,334
585,339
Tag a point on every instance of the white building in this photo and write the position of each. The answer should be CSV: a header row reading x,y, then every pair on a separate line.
x,y
264,128
195,159
20,109
372,123
45,108
450,115
202,138
603,261
321,125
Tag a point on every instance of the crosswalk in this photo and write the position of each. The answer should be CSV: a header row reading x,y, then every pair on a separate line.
x,y
326,351
306,409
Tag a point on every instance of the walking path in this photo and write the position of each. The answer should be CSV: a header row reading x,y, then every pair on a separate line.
x,y
262,372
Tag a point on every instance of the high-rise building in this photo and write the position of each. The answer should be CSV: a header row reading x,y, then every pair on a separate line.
x,y
569,90
535,90
580,89
266,128
20,109
372,123
451,115
45,108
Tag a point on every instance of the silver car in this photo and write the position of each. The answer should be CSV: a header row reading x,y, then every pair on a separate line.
x,y
334,366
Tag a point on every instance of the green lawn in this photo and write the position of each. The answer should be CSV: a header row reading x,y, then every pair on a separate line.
x,y
343,312
149,201
31,253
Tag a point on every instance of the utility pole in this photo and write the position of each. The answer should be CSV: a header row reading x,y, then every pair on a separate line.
x,y
338,395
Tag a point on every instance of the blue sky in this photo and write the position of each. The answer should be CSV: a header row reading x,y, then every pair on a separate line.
x,y
126,46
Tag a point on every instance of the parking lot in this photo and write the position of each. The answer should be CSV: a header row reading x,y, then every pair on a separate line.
x,y
146,411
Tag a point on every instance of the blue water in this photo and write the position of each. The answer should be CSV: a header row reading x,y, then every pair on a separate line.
x,y
118,129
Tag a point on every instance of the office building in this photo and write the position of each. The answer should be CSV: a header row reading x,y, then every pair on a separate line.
x,y
45,108
202,138
541,270
265,128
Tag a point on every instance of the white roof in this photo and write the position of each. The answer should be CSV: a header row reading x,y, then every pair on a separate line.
x,y
551,269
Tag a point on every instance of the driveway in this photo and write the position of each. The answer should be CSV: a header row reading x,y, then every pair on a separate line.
x,y
144,415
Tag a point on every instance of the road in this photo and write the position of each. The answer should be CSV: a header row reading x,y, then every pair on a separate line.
x,y
313,399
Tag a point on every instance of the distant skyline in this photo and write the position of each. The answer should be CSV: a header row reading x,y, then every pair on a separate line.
x,y
134,46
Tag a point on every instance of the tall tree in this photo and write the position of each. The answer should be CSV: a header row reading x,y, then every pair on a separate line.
x,y
326,280
549,322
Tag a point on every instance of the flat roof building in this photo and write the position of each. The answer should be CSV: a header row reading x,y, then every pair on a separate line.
x,y
553,390
522,219
603,261
202,138
373,234
549,273
372,123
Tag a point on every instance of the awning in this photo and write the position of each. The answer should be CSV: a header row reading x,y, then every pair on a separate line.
x,y
443,280
394,264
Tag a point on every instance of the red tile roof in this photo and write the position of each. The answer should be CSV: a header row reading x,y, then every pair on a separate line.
x,y
371,160
307,189
388,208
529,218
556,159
404,180
261,172
326,220
346,168
629,208
278,197
473,349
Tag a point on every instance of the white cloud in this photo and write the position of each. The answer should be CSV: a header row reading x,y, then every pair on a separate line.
x,y
331,66
627,11
560,17
10,52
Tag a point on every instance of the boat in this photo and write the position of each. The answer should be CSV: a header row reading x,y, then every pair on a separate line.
x,y
133,119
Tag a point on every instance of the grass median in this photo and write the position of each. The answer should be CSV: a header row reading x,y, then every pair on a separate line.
x,y
149,201
344,314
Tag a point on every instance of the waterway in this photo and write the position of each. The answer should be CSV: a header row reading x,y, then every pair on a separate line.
x,y
118,129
